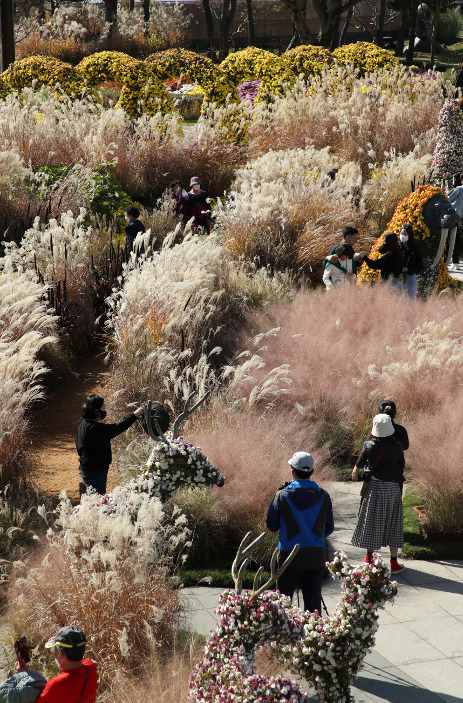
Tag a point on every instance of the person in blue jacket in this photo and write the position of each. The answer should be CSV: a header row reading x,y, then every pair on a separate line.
x,y
302,512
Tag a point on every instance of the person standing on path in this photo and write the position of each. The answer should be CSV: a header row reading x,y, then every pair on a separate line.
x,y
93,441
380,521
302,512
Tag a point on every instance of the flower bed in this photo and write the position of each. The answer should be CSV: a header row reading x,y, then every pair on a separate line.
x,y
252,63
307,60
365,56
44,71
174,62
139,86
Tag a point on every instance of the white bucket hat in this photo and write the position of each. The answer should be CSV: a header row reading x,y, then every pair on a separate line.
x,y
382,426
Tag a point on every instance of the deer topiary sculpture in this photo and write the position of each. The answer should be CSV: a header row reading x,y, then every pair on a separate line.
x,y
326,651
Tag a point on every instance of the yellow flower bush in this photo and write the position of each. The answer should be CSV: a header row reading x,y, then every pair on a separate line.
x,y
215,83
365,56
307,60
45,71
409,210
252,63
141,90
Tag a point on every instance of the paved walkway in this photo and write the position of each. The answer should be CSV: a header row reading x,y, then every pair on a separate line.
x,y
418,656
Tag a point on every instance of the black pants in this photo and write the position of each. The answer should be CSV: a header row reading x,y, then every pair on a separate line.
x,y
309,582
95,479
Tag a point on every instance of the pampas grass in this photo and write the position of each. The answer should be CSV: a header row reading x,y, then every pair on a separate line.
x,y
26,327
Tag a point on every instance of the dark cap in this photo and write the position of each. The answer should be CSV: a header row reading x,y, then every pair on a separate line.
x,y
69,637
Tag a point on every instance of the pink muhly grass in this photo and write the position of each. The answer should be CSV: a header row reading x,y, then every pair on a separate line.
x,y
347,350
253,453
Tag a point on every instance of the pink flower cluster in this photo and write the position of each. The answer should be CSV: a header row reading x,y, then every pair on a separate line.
x,y
248,90
326,651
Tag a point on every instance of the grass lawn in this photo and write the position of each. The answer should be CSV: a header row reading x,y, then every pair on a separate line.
x,y
416,546
450,57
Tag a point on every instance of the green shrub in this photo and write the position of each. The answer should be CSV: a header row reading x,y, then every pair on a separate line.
x,y
450,26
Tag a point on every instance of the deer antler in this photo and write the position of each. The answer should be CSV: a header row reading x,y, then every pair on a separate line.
x,y
241,562
239,568
149,426
274,575
187,412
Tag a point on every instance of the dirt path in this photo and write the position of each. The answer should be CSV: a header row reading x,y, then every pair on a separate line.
x,y
55,425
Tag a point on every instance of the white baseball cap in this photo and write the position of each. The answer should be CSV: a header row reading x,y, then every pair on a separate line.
x,y
301,461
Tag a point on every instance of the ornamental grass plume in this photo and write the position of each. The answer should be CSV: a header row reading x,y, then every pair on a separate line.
x,y
356,117
106,565
285,212
389,183
26,328
60,252
253,452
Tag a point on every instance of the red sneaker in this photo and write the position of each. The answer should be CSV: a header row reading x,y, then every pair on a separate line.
x,y
396,568
368,559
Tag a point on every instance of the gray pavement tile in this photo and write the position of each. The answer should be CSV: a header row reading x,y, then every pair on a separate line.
x,y
458,660
447,594
410,605
420,573
444,678
202,621
445,634
392,685
400,645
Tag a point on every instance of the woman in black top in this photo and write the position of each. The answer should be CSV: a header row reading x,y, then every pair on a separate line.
x,y
93,441
411,259
133,228
380,520
390,264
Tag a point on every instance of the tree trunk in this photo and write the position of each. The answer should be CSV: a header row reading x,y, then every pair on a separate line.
x,y
209,23
110,11
347,22
399,48
297,9
7,33
412,35
335,33
146,11
225,25
330,19
251,28
435,22
379,29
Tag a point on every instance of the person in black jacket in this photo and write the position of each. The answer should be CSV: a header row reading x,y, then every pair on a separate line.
x,y
411,259
133,228
93,441
390,263
380,520
389,407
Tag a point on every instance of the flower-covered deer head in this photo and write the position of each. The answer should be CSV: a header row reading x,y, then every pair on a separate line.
x,y
173,463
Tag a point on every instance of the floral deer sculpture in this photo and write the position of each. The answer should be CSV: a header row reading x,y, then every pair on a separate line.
x,y
173,463
326,651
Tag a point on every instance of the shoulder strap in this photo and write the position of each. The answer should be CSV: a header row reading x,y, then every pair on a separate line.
x,y
85,683
376,462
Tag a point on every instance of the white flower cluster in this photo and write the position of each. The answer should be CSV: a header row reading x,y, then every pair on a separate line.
x,y
176,465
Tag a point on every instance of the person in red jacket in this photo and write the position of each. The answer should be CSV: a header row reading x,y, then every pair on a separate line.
x,y
78,679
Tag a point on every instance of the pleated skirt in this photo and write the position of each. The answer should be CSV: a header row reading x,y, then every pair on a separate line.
x,y
381,520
